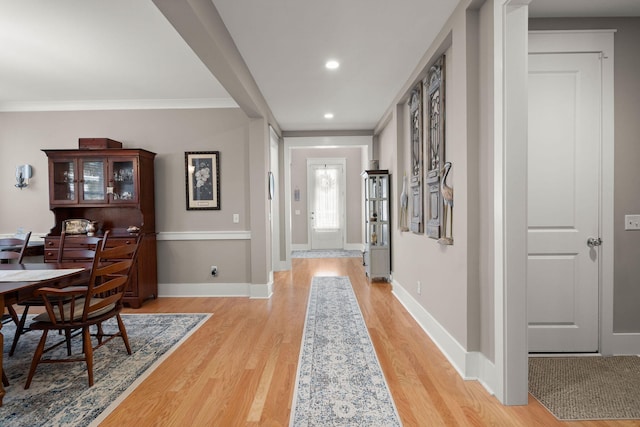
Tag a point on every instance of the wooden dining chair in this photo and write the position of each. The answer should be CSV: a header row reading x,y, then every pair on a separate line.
x,y
13,248
72,248
78,247
90,305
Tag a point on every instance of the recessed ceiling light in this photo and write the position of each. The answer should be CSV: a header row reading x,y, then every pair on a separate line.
x,y
332,64
328,116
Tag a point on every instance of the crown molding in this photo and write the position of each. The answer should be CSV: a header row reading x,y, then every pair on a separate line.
x,y
118,104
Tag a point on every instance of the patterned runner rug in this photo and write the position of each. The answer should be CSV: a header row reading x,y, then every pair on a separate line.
x,y
340,382
587,388
327,253
60,395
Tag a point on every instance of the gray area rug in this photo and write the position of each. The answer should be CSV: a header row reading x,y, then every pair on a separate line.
x,y
327,253
340,382
587,388
60,395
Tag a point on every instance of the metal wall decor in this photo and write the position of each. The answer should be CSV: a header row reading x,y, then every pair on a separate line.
x,y
447,212
434,130
415,113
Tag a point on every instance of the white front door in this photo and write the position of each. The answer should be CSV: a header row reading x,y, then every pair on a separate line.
x,y
326,203
563,201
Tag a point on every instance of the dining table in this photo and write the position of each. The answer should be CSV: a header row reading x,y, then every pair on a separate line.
x,y
19,281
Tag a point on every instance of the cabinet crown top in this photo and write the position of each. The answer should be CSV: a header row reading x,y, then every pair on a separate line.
x,y
101,152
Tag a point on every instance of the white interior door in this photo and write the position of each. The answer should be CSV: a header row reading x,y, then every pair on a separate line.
x,y
563,200
326,203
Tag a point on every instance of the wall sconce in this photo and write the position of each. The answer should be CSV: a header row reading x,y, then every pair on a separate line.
x,y
23,174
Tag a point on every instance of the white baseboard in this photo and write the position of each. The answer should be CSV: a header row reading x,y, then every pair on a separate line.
x,y
282,266
481,369
354,247
471,365
248,290
261,291
347,247
626,344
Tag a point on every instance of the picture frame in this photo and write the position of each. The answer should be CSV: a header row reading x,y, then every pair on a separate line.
x,y
202,178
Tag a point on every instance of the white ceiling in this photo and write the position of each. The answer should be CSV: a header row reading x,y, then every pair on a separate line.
x,y
91,54
96,54
286,43
584,8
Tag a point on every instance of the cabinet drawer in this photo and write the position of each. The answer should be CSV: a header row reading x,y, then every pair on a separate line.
x,y
51,243
50,255
112,242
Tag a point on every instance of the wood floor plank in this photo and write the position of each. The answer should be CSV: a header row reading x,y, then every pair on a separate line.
x,y
239,369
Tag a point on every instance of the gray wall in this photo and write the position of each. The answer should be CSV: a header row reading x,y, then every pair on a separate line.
x,y
299,223
627,158
448,274
169,133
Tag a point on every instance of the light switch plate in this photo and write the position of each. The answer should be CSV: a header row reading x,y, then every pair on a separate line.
x,y
632,222
236,218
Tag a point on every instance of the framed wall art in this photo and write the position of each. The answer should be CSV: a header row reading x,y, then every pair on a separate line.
x,y
202,176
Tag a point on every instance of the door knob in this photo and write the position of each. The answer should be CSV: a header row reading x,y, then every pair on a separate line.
x,y
594,241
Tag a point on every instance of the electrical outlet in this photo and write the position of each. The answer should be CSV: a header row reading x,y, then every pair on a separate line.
x,y
214,270
236,218
419,288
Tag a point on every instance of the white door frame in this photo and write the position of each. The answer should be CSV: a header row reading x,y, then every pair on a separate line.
x,y
365,142
274,144
510,212
510,100
334,161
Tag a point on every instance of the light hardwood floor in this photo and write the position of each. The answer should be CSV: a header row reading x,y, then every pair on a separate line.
x,y
239,368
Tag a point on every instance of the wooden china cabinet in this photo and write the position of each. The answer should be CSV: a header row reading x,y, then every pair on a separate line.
x,y
114,188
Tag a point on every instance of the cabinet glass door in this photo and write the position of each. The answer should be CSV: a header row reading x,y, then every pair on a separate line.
x,y
93,184
64,181
124,174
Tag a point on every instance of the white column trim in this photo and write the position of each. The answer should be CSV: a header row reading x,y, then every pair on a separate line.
x,y
510,189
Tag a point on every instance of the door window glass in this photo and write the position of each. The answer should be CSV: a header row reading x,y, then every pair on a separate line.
x,y
327,191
